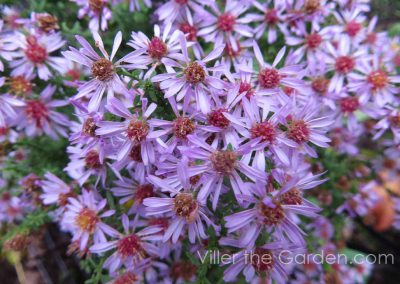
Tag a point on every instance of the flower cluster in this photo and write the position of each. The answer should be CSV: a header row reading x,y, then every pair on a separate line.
x,y
215,130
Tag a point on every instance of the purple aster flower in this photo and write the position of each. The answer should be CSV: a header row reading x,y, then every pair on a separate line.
x,y
391,119
190,26
350,22
162,45
256,125
39,116
274,211
271,19
303,126
104,71
8,110
7,46
83,216
351,106
55,191
132,191
172,9
225,26
185,211
261,264
374,82
343,59
312,45
216,164
98,12
270,78
33,56
133,131
191,77
130,247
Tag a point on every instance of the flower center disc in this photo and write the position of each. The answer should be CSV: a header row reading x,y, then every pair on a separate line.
x,y
344,64
349,104
34,51
226,22
130,246
103,69
36,111
269,78
185,206
298,131
224,161
157,49
194,73
265,130
378,79
183,126
272,216
292,197
87,220
137,130
262,260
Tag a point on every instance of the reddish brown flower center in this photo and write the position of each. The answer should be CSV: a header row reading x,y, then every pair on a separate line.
x,y
298,131
92,160
126,278
137,130
157,49
378,79
181,2
73,75
216,118
189,30
395,120
396,60
194,73
4,131
224,161
136,153
349,104
47,23
226,22
311,6
266,130
344,64
63,198
271,17
269,78
160,222
130,246
186,206
89,127
246,87
103,69
292,197
313,40
183,126
352,28
262,259
320,85
96,5
34,51
142,192
230,51
183,270
20,85
86,220
272,215
36,111
371,38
